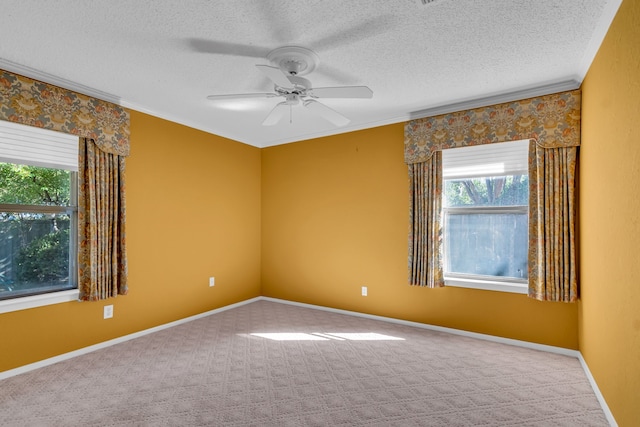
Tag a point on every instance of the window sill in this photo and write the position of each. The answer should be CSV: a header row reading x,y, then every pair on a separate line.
x,y
34,301
487,285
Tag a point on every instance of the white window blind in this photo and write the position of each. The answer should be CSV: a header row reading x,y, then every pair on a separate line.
x,y
505,158
34,146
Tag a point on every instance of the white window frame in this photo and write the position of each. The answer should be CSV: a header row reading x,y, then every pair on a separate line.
x,y
465,167
34,146
34,301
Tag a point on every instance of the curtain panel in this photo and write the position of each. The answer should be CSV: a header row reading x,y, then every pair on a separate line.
x,y
102,260
552,123
425,232
103,130
30,102
552,223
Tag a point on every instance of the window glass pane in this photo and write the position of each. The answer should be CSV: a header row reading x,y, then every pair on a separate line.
x,y
487,191
34,253
33,185
487,244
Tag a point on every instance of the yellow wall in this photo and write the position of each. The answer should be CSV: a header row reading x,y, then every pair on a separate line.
x,y
193,211
609,315
316,220
335,218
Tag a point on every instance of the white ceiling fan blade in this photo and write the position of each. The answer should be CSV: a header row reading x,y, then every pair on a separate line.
x,y
276,76
276,114
326,112
226,48
241,96
341,92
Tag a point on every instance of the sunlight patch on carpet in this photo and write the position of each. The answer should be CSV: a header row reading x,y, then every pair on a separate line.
x,y
326,336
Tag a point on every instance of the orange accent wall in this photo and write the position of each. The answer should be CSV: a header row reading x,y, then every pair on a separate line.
x,y
609,314
335,218
193,211
311,222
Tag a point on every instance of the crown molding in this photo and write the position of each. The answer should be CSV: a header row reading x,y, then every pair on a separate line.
x,y
32,73
597,37
499,98
468,104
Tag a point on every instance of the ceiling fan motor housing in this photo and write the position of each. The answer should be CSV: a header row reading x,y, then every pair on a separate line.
x,y
300,84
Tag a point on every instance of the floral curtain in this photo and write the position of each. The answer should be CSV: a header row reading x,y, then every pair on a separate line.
x,y
102,260
103,129
552,122
552,231
33,103
425,229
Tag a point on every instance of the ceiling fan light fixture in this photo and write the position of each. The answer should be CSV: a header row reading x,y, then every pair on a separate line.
x,y
292,99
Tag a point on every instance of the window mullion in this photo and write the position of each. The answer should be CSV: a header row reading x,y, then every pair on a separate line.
x,y
466,210
18,208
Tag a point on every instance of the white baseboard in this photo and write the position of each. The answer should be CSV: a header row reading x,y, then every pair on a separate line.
x,y
99,346
493,338
519,343
596,390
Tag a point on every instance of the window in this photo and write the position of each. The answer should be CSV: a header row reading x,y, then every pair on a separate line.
x,y
38,211
485,216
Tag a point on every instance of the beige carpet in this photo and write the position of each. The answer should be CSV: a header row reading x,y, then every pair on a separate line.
x,y
317,369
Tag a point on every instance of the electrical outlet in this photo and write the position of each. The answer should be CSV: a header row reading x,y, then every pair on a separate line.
x,y
212,281
108,311
364,291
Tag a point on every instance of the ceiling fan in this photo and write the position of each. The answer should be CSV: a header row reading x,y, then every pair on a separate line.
x,y
289,64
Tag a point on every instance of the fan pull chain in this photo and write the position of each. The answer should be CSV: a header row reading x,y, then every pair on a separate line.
x,y
290,114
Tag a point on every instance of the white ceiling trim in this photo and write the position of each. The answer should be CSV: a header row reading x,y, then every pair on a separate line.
x,y
501,98
430,112
469,104
57,81
571,82
598,35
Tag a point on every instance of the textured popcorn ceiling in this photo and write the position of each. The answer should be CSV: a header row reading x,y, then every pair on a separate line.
x,y
164,57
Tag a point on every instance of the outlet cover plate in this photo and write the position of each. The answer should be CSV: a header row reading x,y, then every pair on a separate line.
x,y
212,281
364,291
108,311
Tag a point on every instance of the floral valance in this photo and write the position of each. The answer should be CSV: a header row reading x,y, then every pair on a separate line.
x,y
552,120
30,102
